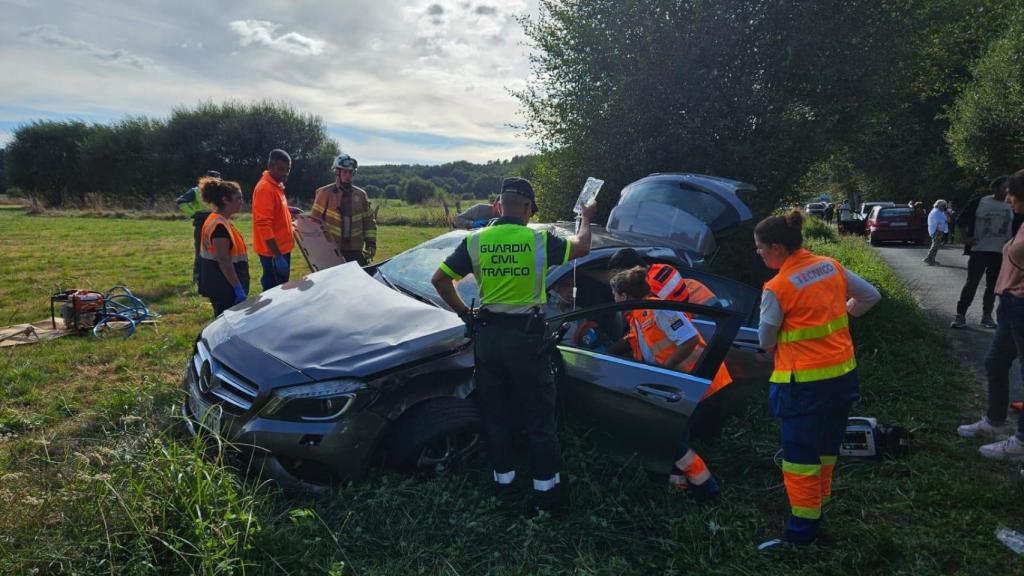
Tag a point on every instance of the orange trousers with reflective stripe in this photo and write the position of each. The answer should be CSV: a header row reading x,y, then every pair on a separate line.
x,y
810,446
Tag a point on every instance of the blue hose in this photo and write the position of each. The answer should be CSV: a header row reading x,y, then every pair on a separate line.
x,y
120,305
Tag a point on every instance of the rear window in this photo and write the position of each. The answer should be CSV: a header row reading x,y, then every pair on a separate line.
x,y
704,206
895,212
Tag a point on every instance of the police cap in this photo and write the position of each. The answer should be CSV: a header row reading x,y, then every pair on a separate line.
x,y
520,186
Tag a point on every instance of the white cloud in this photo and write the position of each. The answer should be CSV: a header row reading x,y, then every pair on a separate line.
x,y
51,36
414,90
261,33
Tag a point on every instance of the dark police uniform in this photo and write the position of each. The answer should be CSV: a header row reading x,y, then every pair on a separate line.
x,y
510,262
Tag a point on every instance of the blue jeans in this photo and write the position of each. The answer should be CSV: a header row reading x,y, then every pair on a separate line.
x,y
270,276
1007,340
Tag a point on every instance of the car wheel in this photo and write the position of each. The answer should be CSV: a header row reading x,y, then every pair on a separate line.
x,y
435,436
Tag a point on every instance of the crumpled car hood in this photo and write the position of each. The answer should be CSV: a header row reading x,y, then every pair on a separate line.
x,y
338,322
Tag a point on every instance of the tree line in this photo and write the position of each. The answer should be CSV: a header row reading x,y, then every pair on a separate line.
x,y
140,162
885,99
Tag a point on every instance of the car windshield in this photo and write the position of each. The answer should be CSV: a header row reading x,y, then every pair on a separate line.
x,y
411,270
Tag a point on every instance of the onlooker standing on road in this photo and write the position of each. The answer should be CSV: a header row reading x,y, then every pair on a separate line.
x,y
224,273
985,224
346,214
830,209
272,222
844,211
191,203
937,227
1007,343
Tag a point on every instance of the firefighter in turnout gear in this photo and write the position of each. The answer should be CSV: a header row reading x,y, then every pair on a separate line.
x,y
345,213
510,262
667,338
805,313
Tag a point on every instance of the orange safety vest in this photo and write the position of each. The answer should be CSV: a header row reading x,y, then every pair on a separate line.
x,y
206,251
649,343
814,339
667,284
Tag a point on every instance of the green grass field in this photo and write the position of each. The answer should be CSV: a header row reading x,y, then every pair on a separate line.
x,y
94,478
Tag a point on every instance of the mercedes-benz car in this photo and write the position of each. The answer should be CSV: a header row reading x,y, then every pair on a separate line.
x,y
347,368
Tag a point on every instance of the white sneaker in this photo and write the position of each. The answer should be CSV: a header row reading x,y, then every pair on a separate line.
x,y
983,428
1010,449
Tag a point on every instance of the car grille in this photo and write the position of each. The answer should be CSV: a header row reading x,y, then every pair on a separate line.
x,y
224,386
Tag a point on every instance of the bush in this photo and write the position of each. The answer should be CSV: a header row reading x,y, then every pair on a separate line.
x,y
818,229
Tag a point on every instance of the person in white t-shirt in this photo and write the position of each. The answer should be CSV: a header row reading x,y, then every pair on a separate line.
x,y
938,225
986,225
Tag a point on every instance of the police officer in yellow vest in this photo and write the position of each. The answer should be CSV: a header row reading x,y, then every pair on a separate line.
x,y
510,262
804,321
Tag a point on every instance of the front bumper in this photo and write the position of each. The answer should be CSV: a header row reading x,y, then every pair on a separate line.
x,y
340,448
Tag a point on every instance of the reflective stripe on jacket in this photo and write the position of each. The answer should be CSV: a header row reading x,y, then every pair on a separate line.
x,y
667,284
814,340
271,219
510,264
347,218
650,344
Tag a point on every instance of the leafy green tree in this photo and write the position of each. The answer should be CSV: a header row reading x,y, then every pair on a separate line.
x,y
415,190
748,90
391,192
235,138
43,159
986,133
124,160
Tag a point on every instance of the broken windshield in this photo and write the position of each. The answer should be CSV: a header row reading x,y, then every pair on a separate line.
x,y
411,270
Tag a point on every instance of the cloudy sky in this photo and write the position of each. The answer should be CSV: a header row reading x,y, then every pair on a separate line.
x,y
416,81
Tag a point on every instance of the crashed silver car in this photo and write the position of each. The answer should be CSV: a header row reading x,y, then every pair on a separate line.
x,y
349,367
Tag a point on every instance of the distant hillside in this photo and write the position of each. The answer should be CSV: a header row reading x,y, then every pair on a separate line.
x,y
458,180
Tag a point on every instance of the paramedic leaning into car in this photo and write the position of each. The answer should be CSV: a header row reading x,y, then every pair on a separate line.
x,y
224,265
665,281
510,262
804,321
667,338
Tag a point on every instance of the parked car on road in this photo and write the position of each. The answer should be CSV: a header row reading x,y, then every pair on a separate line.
x,y
897,224
867,207
816,209
348,367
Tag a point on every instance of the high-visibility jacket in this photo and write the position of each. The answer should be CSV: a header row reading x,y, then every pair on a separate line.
x,y
347,217
650,344
814,340
271,219
212,282
667,284
191,202
510,262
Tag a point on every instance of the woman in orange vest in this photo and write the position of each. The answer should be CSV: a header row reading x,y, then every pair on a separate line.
x,y
804,321
224,264
667,338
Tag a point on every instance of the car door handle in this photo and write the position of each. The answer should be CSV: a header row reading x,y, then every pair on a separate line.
x,y
665,395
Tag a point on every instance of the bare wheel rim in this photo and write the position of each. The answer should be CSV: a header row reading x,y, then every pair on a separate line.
x,y
440,455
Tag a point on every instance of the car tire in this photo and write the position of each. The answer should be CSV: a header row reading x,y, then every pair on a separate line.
x,y
874,241
435,436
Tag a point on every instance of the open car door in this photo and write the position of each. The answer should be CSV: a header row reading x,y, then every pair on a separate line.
x,y
635,407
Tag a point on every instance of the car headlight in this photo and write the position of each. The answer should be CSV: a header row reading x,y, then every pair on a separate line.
x,y
320,402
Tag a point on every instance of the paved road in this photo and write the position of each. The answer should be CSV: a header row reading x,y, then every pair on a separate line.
x,y
937,289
